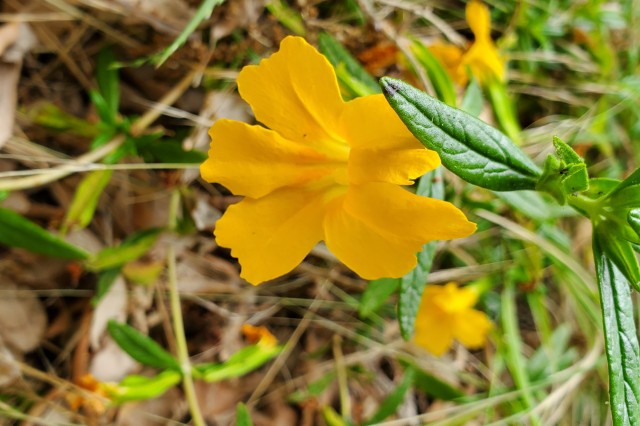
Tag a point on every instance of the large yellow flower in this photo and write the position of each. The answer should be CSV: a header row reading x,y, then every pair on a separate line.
x,y
324,169
446,313
482,57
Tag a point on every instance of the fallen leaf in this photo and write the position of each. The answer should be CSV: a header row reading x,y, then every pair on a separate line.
x,y
22,318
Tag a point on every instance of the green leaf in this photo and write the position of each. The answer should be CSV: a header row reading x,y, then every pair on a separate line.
x,y
535,205
203,12
16,231
131,249
627,193
332,418
621,253
633,218
412,284
564,174
438,76
340,57
313,389
431,385
140,347
286,16
621,339
136,387
240,363
108,83
470,148
376,295
394,399
503,109
472,100
243,418
85,200
106,278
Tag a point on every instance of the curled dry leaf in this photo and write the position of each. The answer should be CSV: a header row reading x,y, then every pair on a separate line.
x,y
22,318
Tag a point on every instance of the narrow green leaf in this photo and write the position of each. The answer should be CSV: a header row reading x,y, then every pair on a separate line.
x,y
437,388
627,193
240,363
535,205
503,109
394,399
376,295
286,16
621,338
131,249
108,82
203,12
633,218
140,347
412,284
106,278
438,76
472,100
137,388
470,148
16,231
243,418
85,200
159,151
337,55
332,418
313,389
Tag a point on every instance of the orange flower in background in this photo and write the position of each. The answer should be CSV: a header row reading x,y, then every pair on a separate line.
x,y
324,169
446,313
482,57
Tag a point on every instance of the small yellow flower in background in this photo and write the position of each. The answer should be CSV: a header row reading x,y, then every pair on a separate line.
x,y
259,335
446,313
482,57
324,169
93,400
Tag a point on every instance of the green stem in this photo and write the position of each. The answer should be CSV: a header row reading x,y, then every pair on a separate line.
x,y
178,325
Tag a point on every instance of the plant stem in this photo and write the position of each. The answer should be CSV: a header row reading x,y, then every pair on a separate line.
x,y
176,315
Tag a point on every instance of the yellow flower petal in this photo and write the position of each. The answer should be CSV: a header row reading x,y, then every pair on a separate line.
x,y
479,19
382,148
363,249
431,331
470,327
253,161
369,122
485,62
392,211
271,235
295,92
451,299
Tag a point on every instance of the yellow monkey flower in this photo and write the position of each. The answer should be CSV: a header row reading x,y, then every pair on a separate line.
x,y
321,169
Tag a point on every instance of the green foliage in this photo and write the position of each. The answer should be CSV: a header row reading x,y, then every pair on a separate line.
x,y
353,78
16,231
286,16
467,146
394,399
135,387
240,363
131,249
442,83
140,347
621,338
243,418
376,295
85,200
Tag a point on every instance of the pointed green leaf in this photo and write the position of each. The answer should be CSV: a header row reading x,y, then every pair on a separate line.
x,y
394,399
16,231
243,418
438,76
634,220
470,148
131,249
472,100
85,200
287,16
621,338
140,347
412,284
340,57
108,82
240,363
376,295
137,388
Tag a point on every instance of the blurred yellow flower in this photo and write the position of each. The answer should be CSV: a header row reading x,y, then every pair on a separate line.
x,y
259,335
324,169
446,313
482,57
